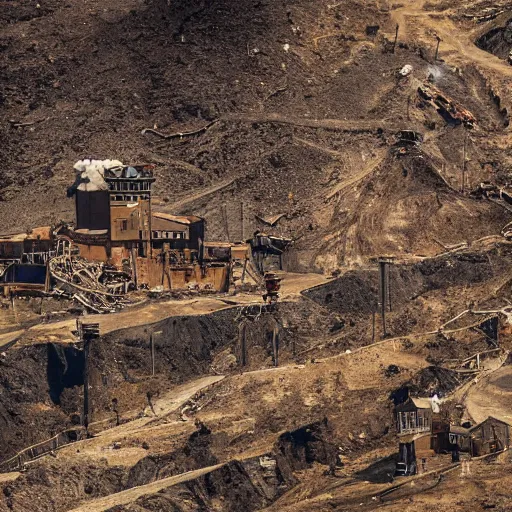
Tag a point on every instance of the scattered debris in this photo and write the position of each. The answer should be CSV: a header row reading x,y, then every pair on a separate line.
x,y
270,221
372,30
406,70
21,124
391,370
449,109
180,135
98,287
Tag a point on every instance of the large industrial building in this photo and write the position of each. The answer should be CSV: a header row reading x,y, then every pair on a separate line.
x,y
116,227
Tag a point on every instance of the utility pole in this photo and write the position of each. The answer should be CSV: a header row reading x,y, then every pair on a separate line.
x,y
226,223
464,151
382,289
396,37
88,333
388,286
275,345
242,336
385,296
245,268
437,48
152,349
242,220
115,408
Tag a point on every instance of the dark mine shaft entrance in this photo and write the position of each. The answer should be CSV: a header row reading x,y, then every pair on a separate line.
x,y
64,370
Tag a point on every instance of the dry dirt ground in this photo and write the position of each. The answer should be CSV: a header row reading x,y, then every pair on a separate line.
x,y
492,397
302,100
306,104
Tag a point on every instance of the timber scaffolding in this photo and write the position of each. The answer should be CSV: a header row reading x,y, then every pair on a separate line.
x,y
18,461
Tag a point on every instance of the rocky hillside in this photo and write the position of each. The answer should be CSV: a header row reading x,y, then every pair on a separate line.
x,y
299,102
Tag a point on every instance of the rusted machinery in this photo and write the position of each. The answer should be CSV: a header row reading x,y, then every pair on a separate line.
x,y
272,287
92,284
449,109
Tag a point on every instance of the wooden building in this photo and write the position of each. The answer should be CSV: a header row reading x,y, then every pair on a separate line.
x,y
414,416
268,251
24,258
451,438
414,427
490,436
32,247
412,447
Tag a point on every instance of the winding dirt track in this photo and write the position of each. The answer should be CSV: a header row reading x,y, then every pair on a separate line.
x,y
131,495
492,396
457,45
291,288
100,445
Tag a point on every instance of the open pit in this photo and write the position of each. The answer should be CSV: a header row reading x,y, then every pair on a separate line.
x,y
498,40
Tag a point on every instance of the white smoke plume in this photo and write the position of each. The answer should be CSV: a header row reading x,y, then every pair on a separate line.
x,y
435,73
91,173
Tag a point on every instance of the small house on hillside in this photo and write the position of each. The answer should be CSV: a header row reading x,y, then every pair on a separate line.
x,y
414,427
490,436
410,448
451,438
414,416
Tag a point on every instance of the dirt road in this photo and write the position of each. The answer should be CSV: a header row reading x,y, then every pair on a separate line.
x,y
130,495
492,396
100,446
457,45
292,286
6,340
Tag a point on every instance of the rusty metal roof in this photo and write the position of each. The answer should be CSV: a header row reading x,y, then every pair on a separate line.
x,y
409,438
41,233
180,219
422,403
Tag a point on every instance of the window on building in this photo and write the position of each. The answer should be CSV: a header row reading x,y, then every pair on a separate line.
x,y
409,420
403,420
123,225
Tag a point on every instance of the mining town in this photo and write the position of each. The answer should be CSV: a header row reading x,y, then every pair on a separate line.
x,y
255,256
